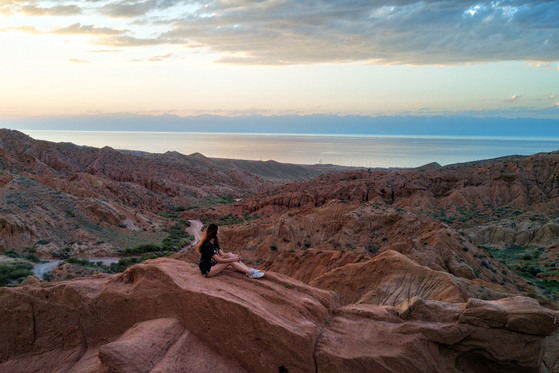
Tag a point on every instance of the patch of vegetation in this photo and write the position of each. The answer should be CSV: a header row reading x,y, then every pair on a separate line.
x,y
117,267
32,258
288,285
12,254
63,254
476,272
176,239
127,262
14,273
525,262
228,220
225,200
274,247
175,214
513,254
372,249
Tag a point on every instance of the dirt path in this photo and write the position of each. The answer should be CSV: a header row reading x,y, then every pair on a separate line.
x,y
40,269
195,230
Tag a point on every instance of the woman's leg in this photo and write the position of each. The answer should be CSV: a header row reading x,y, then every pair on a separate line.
x,y
240,267
221,266
217,268
230,255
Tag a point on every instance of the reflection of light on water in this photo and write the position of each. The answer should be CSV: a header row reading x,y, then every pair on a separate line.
x,y
370,151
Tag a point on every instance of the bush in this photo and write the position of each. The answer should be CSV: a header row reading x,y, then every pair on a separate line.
x,y
32,258
79,262
12,254
176,239
145,248
14,272
274,247
61,255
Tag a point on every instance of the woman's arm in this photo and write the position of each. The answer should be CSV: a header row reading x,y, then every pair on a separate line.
x,y
226,260
225,255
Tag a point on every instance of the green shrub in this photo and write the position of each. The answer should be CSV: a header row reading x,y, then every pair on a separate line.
x,y
32,258
14,272
12,254
61,255
274,247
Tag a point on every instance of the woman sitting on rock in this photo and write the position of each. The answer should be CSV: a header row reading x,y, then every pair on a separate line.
x,y
213,260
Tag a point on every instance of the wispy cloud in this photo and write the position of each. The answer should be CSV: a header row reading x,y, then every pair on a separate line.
x,y
105,51
78,29
75,60
129,41
153,59
127,9
28,29
61,10
513,99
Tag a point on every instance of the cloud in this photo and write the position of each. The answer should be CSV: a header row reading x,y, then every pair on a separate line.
x,y
126,9
154,58
129,41
282,32
105,51
78,29
75,60
130,8
61,10
387,32
28,29
513,99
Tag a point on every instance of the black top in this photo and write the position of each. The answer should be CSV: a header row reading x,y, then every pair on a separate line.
x,y
206,260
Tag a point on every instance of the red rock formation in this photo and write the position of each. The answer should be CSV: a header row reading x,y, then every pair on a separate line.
x,y
164,316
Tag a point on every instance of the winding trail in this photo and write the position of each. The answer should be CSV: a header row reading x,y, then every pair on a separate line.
x,y
195,230
40,269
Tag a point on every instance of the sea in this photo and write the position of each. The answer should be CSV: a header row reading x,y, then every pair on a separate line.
x,y
345,150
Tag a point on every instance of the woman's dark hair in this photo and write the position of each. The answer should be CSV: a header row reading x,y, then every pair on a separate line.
x,y
209,233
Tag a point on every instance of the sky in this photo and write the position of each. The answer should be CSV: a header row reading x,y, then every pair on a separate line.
x,y
279,57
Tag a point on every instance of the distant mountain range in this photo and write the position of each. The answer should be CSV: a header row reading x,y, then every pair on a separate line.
x,y
306,124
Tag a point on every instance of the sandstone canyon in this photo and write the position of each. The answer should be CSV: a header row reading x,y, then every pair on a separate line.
x,y
436,269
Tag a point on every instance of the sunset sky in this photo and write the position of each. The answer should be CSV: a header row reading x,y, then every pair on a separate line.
x,y
232,57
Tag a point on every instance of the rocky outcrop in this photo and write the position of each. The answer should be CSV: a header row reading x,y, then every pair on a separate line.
x,y
15,233
515,232
164,316
364,230
435,338
514,200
